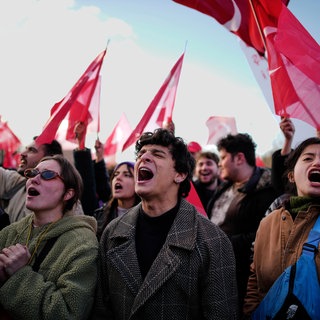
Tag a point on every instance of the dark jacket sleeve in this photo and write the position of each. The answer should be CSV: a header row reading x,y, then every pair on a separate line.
x,y
279,181
102,181
83,163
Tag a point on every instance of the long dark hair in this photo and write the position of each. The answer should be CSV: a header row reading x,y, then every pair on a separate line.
x,y
293,158
113,203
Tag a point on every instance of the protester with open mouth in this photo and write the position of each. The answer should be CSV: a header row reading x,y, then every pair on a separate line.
x,y
48,260
13,182
282,233
123,195
163,259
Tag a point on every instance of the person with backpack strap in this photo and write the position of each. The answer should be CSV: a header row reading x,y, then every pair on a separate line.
x,y
281,240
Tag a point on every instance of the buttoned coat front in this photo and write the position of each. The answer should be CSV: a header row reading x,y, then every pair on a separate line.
x,y
193,276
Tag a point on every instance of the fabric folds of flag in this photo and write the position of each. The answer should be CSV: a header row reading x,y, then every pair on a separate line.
x,y
9,145
160,108
294,67
293,55
118,136
237,16
219,127
77,103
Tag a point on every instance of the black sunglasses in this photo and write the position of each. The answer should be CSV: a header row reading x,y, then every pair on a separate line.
x,y
45,174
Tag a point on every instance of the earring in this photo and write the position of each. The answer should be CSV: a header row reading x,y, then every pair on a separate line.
x,y
177,181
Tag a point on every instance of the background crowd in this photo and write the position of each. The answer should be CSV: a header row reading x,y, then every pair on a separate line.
x,y
126,242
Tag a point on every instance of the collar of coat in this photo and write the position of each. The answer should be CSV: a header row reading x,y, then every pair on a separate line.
x,y
182,233
260,179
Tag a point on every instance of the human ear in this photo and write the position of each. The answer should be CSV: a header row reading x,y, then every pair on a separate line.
x,y
291,177
240,157
68,194
180,177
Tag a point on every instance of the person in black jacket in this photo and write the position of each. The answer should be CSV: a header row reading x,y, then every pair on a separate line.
x,y
241,201
93,173
279,180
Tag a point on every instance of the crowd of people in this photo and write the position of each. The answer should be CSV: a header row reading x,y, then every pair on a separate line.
x,y
80,242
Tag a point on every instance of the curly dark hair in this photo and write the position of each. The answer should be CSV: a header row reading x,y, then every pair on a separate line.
x,y
184,162
241,142
54,147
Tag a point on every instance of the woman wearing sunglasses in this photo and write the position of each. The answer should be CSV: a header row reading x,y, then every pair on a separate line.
x,y
48,259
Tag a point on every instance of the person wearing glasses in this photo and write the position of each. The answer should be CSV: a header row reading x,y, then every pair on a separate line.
x,y
163,259
12,182
48,259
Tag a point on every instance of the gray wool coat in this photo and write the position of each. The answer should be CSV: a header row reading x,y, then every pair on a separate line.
x,y
193,276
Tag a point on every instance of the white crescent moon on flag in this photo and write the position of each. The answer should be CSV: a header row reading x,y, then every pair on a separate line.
x,y
234,23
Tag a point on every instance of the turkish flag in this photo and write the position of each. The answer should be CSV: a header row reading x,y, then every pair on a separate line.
x,y
293,55
161,107
219,127
118,136
294,66
238,17
77,102
9,144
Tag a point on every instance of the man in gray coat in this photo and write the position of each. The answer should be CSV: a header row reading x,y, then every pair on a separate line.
x,y
163,259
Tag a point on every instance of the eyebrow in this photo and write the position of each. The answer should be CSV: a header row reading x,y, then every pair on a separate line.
x,y
153,150
308,153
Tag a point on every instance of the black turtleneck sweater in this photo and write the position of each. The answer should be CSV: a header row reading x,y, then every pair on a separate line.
x,y
151,234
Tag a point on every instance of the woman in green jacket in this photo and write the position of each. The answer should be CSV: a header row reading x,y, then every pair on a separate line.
x,y
48,266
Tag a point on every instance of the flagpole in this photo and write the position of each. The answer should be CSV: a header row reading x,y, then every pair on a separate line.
x,y
258,25
107,44
99,120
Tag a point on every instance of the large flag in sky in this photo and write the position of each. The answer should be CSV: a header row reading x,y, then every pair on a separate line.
x,y
9,145
160,108
237,16
219,127
294,67
293,55
80,103
259,67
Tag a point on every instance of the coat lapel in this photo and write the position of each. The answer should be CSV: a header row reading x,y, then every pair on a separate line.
x,y
124,257
182,235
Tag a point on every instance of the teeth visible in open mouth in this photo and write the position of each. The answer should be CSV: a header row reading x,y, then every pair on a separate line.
x,y
144,174
314,176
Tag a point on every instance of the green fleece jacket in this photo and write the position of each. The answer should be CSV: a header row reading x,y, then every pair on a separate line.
x,y
64,286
